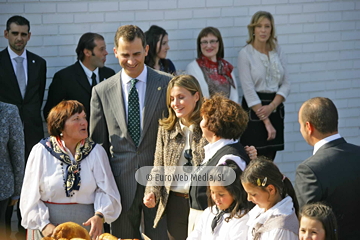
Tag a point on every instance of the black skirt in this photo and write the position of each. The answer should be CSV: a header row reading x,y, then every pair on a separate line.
x,y
256,133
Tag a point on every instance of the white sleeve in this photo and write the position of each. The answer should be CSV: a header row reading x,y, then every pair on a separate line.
x,y
234,92
240,162
279,234
284,89
35,214
194,70
246,81
199,230
107,196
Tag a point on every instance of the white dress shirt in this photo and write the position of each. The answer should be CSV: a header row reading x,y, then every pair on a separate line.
x,y
141,88
14,63
89,73
322,142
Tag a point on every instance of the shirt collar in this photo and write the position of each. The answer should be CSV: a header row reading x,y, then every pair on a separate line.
x,y
142,77
88,72
212,148
14,55
322,142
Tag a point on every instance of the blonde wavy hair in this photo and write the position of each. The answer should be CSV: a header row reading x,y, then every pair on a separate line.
x,y
255,20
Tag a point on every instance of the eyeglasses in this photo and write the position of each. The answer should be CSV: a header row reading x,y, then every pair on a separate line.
x,y
188,165
212,42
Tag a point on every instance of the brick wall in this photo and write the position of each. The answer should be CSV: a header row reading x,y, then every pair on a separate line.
x,y
321,39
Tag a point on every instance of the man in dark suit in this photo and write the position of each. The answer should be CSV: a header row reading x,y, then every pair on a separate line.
x,y
332,174
22,81
76,81
125,110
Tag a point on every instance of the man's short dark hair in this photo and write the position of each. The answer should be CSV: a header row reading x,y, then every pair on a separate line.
x,y
321,112
129,33
18,20
87,41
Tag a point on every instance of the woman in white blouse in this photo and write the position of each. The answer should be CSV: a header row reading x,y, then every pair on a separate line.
x,y
264,80
68,178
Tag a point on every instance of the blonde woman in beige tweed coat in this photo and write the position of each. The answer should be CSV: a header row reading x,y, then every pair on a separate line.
x,y
183,100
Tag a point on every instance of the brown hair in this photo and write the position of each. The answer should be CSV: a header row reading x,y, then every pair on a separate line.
x,y
321,113
129,33
60,113
240,206
192,85
255,20
324,214
214,31
224,117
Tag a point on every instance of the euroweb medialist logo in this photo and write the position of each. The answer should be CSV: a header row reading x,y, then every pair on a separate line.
x,y
185,175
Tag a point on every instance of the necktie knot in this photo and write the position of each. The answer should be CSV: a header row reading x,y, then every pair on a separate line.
x,y
133,82
19,59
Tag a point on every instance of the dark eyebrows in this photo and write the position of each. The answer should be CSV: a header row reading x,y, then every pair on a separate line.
x,y
17,33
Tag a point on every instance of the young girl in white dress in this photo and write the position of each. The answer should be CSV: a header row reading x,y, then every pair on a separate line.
x,y
275,215
317,222
227,214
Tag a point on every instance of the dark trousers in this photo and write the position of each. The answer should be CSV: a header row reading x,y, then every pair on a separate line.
x,y
3,206
21,234
128,224
177,215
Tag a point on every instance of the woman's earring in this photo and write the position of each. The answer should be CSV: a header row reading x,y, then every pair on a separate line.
x,y
61,135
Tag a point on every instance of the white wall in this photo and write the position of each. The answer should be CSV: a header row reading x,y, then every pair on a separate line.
x,y
321,38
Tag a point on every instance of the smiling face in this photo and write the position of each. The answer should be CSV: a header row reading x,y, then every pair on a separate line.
x,y
262,31
131,56
98,54
209,46
258,196
221,197
311,229
162,47
183,103
75,128
17,36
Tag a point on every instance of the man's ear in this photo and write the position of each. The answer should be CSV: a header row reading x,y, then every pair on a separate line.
x,y
6,34
309,127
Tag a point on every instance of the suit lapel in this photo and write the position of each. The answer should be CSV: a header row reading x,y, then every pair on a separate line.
x,y
33,71
152,95
101,75
7,67
82,78
115,99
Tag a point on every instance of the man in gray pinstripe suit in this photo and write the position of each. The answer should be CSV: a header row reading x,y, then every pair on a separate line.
x,y
108,127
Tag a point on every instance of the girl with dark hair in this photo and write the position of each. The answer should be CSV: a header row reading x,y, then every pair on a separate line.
x,y
275,214
317,222
158,41
226,216
264,80
213,72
